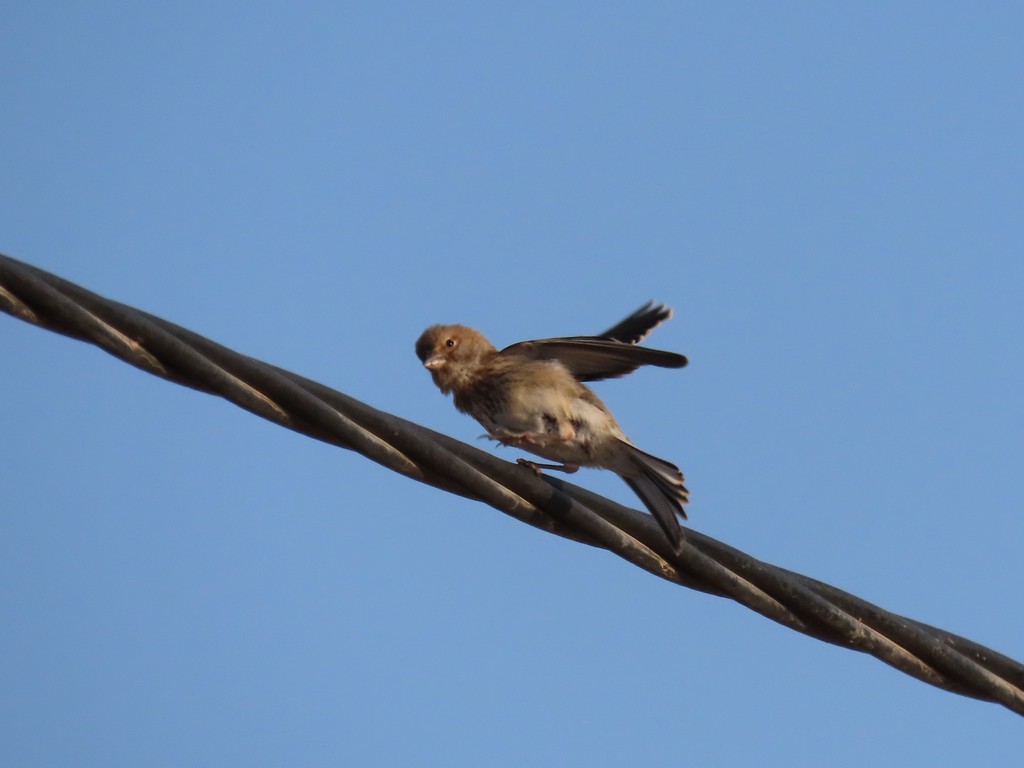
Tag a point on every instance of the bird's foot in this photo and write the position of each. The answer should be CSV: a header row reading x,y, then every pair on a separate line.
x,y
525,440
508,438
533,465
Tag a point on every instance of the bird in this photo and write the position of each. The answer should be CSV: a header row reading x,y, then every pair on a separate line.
x,y
531,395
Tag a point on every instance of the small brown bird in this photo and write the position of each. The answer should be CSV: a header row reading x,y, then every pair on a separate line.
x,y
531,395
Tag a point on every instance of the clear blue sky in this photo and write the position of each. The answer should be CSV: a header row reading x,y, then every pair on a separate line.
x,y
830,196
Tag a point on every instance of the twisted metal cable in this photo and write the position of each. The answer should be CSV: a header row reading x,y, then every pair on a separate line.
x,y
822,611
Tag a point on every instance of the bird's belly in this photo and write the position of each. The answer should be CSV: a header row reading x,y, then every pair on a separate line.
x,y
566,452
578,432
526,411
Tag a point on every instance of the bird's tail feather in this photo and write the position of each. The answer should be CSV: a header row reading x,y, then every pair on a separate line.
x,y
659,484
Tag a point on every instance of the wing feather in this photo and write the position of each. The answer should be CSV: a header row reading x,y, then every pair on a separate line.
x,y
590,358
638,325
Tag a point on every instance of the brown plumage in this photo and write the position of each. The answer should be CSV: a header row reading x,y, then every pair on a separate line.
x,y
531,395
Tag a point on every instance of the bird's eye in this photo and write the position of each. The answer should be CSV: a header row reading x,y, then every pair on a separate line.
x,y
450,343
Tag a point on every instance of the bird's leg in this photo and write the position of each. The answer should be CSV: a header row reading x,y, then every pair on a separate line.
x,y
528,440
567,468
501,437
558,431
525,440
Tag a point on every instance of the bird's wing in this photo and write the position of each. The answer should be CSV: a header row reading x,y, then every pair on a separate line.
x,y
635,328
590,358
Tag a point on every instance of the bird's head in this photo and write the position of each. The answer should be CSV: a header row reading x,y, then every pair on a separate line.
x,y
454,354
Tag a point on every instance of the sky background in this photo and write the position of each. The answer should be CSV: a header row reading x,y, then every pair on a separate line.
x,y
831,198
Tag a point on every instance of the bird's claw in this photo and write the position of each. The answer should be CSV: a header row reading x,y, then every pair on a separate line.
x,y
533,465
510,438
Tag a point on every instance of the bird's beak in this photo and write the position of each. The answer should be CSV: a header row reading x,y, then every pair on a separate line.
x,y
433,362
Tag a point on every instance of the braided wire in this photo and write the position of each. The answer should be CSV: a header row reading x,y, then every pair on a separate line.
x,y
817,609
